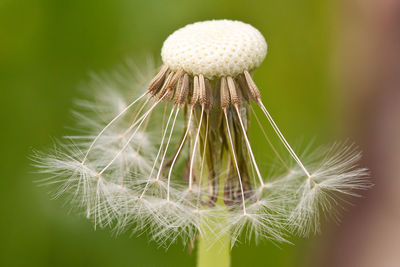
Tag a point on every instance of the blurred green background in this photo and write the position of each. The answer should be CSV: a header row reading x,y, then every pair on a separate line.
x,y
47,49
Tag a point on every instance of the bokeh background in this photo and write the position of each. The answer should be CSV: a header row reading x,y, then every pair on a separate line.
x,y
332,71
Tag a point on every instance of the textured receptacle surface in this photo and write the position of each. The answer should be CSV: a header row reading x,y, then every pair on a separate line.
x,y
215,48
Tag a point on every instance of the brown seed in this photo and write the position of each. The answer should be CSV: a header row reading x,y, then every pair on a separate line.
x,y
235,98
196,89
244,88
182,90
164,88
178,90
205,93
254,92
209,95
156,83
225,98
202,92
185,88
170,94
175,78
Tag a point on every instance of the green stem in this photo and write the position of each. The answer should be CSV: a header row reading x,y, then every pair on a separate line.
x,y
214,242
212,253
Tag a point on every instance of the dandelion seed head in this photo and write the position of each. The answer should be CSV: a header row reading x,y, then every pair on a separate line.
x,y
177,162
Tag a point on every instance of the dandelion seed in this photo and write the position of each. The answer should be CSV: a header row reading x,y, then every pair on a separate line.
x,y
178,162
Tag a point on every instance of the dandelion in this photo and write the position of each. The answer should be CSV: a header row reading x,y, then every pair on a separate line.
x,y
177,161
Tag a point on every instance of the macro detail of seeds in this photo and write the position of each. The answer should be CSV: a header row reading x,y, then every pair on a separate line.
x,y
177,161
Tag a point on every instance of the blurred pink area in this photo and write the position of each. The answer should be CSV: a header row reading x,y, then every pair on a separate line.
x,y
367,63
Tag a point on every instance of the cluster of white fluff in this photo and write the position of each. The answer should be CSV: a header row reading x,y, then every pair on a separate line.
x,y
126,194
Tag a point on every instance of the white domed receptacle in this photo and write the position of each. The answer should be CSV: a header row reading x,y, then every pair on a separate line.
x,y
214,48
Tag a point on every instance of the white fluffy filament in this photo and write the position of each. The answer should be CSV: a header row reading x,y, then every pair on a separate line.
x,y
236,163
158,153
109,124
283,140
141,120
168,142
194,150
179,150
249,147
